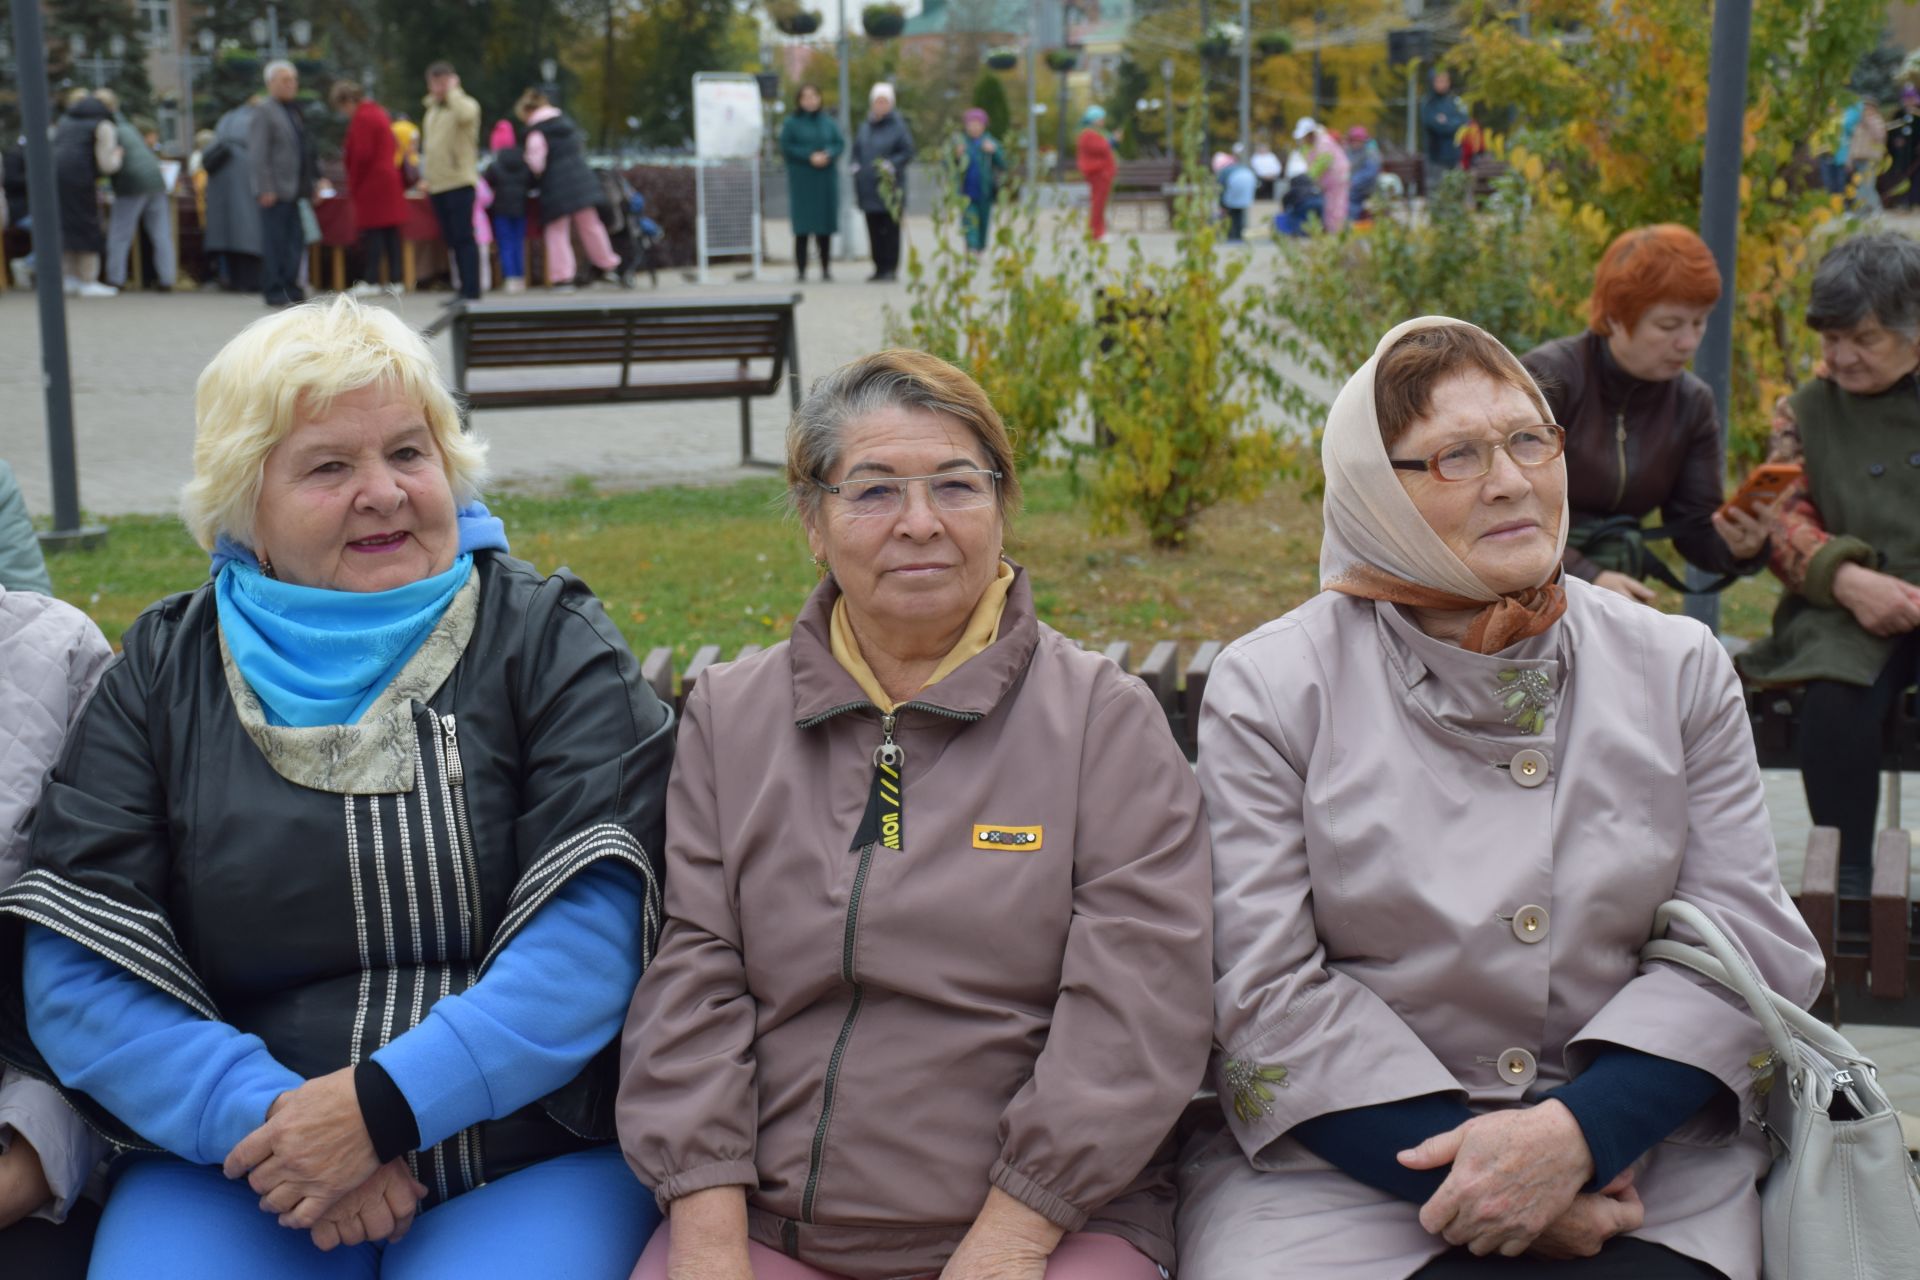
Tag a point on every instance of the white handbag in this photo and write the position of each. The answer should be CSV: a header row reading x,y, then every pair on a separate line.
x,y
1843,1199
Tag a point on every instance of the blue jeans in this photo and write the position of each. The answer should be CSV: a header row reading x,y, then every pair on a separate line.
x,y
281,244
583,1216
511,235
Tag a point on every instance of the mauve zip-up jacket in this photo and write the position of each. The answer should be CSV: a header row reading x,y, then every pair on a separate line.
x,y
867,1038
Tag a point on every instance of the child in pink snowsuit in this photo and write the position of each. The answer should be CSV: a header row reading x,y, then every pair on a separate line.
x,y
556,153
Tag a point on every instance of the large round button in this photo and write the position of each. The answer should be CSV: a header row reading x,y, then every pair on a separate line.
x,y
1913,459
1529,768
1530,923
1517,1067
1877,470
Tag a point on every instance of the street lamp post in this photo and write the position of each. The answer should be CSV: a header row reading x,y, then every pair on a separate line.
x,y
1246,74
1033,106
1166,76
842,52
56,378
191,62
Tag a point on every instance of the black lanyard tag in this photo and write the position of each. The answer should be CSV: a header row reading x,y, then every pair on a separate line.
x,y
884,822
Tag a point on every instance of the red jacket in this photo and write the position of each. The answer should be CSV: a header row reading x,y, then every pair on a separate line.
x,y
373,180
1095,159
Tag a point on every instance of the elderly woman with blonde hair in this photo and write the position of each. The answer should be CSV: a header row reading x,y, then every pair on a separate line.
x,y
340,889
1448,796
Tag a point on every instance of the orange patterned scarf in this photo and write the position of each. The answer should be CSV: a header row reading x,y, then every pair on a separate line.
x,y
1508,620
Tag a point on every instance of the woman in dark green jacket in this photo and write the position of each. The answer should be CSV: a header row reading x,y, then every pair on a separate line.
x,y
1846,545
812,142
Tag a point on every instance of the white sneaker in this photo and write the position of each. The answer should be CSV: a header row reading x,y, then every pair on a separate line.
x,y
516,284
70,285
94,289
22,272
362,289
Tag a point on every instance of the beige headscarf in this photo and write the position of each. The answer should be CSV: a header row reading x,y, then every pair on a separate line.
x,y
1376,543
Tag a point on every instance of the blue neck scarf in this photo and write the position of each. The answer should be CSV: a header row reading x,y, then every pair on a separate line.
x,y
320,657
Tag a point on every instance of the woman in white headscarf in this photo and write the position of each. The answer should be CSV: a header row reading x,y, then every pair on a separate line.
x,y
1447,795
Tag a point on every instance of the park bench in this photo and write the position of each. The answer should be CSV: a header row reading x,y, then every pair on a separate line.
x,y
1871,943
520,352
1143,184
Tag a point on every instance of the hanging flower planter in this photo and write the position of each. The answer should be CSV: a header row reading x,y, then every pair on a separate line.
x,y
799,22
1220,40
1272,44
1003,59
883,21
1063,60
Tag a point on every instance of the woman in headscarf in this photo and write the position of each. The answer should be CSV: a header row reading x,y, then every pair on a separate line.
x,y
882,150
1093,156
1447,796
978,162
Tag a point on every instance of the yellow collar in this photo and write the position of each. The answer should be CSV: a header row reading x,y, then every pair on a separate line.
x,y
983,628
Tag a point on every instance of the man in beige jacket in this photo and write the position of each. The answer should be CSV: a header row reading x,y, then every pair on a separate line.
x,y
450,143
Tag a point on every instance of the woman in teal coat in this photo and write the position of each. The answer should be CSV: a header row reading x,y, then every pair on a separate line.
x,y
812,142
978,160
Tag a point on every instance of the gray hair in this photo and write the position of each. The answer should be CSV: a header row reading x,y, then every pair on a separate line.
x,y
275,67
1870,276
897,379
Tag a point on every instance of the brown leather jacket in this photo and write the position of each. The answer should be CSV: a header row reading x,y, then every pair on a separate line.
x,y
867,1037
1633,446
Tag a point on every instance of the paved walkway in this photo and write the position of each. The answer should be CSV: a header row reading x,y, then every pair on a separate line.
x,y
135,360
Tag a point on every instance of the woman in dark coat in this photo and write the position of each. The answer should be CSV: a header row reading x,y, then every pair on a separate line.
x,y
1642,432
233,203
373,183
810,140
569,193
882,150
85,149
340,889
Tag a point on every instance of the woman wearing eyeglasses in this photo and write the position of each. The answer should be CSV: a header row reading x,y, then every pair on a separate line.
x,y
933,985
1446,797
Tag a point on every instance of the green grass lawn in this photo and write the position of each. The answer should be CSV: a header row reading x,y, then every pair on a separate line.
x,y
725,565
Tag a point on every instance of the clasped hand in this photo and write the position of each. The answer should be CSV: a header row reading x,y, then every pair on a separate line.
x,y
1516,1174
312,1151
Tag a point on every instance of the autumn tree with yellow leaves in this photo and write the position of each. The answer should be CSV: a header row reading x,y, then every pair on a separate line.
x,y
1610,100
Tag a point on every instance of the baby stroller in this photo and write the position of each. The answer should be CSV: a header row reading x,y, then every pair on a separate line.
x,y
632,234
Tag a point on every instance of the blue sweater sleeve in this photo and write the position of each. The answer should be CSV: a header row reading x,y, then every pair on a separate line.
x,y
183,1083
1365,1143
1627,1101
554,996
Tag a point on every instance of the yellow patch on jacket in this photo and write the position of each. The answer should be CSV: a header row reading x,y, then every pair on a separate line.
x,y
989,835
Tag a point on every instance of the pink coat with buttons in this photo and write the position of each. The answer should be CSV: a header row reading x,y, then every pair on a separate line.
x,y
1433,872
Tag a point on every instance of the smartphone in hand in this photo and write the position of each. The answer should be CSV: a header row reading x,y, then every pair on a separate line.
x,y
1764,484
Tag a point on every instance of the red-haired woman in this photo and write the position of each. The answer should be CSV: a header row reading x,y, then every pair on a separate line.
x,y
1643,432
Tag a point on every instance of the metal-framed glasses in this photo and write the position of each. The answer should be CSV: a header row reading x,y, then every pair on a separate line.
x,y
1533,446
887,495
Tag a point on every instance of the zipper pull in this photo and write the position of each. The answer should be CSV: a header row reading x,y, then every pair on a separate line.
x,y
456,772
884,822
1620,426
889,753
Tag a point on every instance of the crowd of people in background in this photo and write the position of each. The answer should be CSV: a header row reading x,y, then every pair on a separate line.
x,y
258,187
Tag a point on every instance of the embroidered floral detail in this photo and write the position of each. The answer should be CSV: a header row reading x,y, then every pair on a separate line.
x,y
1247,1082
1761,1064
1526,695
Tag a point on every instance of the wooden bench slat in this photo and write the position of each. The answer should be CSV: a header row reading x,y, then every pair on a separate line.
x,y
703,657
1119,652
1890,915
1199,667
657,671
